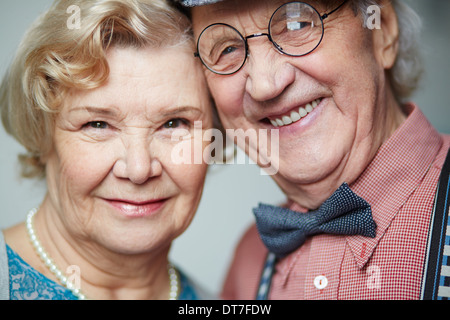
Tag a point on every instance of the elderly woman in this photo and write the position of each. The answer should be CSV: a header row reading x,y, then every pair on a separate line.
x,y
96,108
358,163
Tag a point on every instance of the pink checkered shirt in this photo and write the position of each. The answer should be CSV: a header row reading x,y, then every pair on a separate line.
x,y
400,185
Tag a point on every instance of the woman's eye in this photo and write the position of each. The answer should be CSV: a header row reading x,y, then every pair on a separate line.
x,y
175,123
97,125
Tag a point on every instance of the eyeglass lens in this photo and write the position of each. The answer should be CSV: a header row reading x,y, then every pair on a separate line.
x,y
295,29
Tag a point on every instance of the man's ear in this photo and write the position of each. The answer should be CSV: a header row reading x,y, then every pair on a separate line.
x,y
385,38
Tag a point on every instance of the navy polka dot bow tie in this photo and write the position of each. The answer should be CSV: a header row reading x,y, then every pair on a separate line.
x,y
344,213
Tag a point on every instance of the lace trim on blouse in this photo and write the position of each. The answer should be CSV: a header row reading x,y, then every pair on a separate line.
x,y
26,283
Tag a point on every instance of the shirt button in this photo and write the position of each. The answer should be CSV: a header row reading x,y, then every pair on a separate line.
x,y
321,282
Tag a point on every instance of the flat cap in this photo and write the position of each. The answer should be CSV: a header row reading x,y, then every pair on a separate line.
x,y
195,3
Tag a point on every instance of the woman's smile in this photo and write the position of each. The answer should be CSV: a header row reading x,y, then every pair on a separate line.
x,y
134,209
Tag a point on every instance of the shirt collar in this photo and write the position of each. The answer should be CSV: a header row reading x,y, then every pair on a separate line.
x,y
395,172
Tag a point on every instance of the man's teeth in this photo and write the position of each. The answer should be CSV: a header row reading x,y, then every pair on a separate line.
x,y
295,115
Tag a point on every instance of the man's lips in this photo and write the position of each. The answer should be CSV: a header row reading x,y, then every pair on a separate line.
x,y
293,115
133,208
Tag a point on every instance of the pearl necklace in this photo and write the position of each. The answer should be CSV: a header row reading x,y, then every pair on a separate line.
x,y
173,274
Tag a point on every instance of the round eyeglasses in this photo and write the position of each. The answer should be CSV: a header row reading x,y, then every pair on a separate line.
x,y
295,29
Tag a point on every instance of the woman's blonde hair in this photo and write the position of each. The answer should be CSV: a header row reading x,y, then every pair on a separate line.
x,y
55,56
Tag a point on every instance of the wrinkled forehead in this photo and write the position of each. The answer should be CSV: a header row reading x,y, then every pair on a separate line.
x,y
246,12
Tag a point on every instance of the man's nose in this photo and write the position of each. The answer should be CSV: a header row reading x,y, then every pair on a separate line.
x,y
268,72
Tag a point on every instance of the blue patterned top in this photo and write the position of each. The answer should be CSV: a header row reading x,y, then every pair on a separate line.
x,y
26,283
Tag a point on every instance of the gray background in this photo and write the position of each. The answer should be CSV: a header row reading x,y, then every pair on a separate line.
x,y
205,249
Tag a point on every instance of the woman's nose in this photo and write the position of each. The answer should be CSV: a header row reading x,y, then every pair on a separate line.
x,y
138,164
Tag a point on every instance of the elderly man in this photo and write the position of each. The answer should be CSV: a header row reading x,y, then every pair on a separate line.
x,y
357,162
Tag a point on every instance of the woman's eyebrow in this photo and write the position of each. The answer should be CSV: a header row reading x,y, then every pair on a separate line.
x,y
95,110
181,110
163,113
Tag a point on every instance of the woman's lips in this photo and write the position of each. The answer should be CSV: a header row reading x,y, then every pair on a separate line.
x,y
137,209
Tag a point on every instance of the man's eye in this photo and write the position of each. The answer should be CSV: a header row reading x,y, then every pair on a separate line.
x,y
229,50
97,124
175,123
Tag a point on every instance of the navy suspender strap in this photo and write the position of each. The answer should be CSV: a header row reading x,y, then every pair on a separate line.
x,y
266,277
436,276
